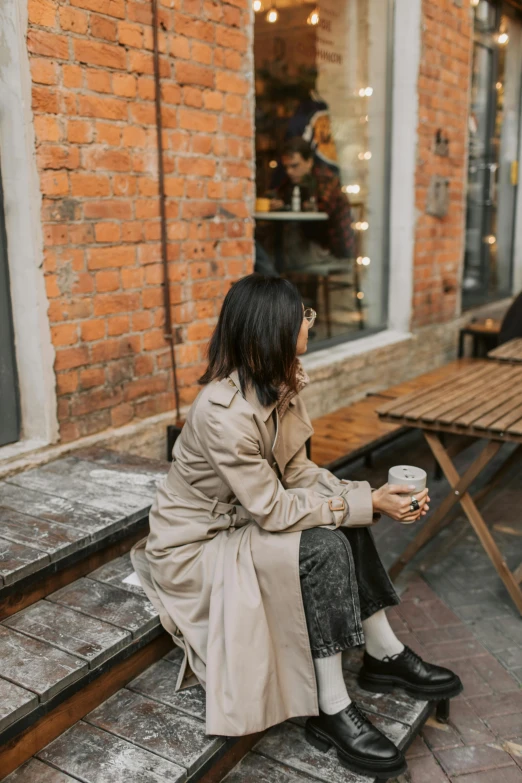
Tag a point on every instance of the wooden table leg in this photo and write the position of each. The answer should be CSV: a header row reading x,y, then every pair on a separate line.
x,y
475,518
440,518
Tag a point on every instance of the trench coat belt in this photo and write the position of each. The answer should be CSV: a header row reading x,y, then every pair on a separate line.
x,y
177,484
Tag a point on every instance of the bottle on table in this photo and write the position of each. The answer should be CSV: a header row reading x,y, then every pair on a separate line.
x,y
296,199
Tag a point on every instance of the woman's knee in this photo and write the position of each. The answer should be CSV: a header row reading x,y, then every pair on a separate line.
x,y
325,545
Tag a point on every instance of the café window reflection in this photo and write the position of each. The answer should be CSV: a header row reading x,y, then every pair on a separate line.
x,y
322,84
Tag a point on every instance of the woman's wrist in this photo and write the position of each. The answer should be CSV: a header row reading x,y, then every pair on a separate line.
x,y
375,501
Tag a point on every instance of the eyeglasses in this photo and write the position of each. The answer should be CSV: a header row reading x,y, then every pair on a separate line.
x,y
310,315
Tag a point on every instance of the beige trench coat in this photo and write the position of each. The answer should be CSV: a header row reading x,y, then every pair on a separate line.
x,y
221,562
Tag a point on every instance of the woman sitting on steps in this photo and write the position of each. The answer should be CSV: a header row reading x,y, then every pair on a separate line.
x,y
261,565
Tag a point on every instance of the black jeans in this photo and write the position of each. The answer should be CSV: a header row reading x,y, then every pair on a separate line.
x,y
343,581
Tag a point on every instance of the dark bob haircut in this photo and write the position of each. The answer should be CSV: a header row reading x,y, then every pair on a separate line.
x,y
256,335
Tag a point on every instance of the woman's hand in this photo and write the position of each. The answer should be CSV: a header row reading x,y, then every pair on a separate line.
x,y
276,203
394,500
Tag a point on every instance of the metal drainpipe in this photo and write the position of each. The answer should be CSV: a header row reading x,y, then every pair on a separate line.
x,y
169,336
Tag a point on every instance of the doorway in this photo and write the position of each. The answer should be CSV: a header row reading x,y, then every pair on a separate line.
x,y
494,131
9,396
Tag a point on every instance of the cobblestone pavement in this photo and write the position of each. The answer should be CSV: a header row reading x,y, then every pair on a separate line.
x,y
460,615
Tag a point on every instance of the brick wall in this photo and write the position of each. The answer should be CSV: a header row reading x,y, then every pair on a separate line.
x,y
444,78
94,118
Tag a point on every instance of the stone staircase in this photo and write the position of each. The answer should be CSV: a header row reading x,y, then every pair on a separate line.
x,y
87,674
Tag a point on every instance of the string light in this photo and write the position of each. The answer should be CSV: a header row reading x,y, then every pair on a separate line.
x,y
366,261
361,226
490,240
273,164
360,295
503,38
351,188
364,155
257,5
313,18
366,92
474,3
272,16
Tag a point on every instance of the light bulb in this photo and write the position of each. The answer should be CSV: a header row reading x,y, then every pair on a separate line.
x,y
364,155
257,5
353,188
313,18
368,91
366,261
359,260
272,16
503,38
364,226
273,164
498,85
360,295
474,3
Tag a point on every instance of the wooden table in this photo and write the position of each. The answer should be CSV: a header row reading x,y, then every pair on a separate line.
x,y
479,404
508,352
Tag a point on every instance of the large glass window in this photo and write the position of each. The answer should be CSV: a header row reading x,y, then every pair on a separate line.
x,y
322,78
494,128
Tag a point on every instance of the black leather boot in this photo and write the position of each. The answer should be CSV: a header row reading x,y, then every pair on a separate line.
x,y
408,671
360,746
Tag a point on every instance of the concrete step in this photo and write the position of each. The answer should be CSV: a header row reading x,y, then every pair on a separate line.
x,y
51,649
60,521
148,732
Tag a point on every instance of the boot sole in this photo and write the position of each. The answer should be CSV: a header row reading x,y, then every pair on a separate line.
x,y
382,771
382,684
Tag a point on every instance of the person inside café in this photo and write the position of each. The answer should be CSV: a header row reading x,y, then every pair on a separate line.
x,y
309,243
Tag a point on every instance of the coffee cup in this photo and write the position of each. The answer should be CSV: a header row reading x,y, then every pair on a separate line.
x,y
408,475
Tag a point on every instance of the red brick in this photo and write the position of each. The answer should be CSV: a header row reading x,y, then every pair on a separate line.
x,y
73,20
67,358
107,281
42,12
72,76
79,131
107,232
179,47
109,208
47,129
98,80
93,330
45,100
48,44
231,39
130,34
197,121
231,82
106,133
106,108
101,27
54,183
43,70
89,185
114,8
124,84
194,28
103,54
118,325
92,378
110,257
52,156
187,73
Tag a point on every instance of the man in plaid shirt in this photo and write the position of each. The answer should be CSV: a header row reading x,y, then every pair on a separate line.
x,y
311,243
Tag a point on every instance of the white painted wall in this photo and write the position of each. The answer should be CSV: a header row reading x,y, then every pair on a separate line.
x,y
405,111
22,200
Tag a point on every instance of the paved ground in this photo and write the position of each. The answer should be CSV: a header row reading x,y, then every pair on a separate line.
x,y
479,635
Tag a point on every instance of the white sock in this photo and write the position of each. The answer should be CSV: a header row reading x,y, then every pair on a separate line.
x,y
331,688
379,636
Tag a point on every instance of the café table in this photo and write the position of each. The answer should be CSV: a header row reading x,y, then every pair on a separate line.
x,y
508,352
281,217
477,404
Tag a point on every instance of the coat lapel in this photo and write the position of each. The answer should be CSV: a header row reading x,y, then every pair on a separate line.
x,y
292,431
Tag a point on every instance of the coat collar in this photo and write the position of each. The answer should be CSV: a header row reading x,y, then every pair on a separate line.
x,y
265,411
291,432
